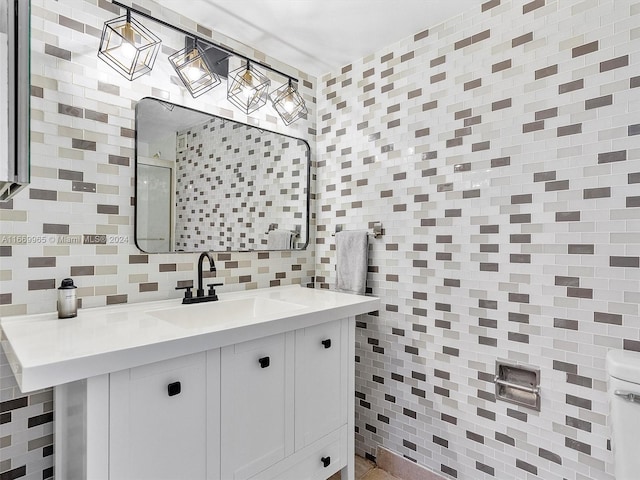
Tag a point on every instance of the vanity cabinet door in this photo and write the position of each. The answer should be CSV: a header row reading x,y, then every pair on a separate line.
x,y
320,381
256,405
158,420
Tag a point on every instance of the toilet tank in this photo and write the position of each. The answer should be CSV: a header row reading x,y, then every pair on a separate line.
x,y
623,368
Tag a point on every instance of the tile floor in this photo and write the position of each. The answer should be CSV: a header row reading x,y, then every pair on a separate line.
x,y
367,470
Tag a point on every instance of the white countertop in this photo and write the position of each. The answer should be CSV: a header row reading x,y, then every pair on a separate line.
x,y
45,351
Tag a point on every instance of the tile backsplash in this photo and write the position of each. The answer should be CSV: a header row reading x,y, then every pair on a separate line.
x,y
76,218
501,152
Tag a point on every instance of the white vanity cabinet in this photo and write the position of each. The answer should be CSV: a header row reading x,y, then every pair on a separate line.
x,y
256,386
275,407
157,420
256,405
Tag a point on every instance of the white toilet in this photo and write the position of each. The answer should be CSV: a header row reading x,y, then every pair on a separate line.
x,y
623,368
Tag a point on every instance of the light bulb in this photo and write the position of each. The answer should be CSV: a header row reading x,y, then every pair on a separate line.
x,y
193,73
289,104
127,51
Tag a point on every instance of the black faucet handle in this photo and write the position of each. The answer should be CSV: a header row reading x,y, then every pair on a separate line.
x,y
212,288
187,288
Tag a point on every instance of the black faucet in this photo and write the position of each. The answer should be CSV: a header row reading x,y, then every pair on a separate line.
x,y
200,296
212,268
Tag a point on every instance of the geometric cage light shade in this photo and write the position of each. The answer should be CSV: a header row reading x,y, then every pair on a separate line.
x,y
193,70
247,88
288,103
128,47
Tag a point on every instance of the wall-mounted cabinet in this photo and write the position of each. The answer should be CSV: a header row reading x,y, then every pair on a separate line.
x,y
15,91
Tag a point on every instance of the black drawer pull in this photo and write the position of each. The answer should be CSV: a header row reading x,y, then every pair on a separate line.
x,y
326,461
264,362
174,388
326,343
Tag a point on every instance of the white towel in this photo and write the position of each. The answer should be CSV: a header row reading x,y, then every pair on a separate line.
x,y
352,249
279,239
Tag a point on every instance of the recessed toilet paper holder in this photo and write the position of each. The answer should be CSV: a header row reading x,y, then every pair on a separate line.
x,y
519,384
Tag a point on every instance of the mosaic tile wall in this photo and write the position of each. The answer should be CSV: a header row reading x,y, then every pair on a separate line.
x,y
238,181
501,152
76,217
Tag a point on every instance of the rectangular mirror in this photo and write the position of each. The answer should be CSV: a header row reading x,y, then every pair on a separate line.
x,y
208,183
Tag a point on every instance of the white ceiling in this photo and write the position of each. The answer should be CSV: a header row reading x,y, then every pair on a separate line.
x,y
319,36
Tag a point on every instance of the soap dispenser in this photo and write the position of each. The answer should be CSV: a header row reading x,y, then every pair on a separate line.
x,y
67,299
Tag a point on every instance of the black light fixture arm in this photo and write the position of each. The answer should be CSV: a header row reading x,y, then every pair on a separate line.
x,y
227,50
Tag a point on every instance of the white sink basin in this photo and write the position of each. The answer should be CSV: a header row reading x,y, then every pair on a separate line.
x,y
242,309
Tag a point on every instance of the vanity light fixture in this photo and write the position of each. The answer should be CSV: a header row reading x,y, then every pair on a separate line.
x,y
131,49
288,103
192,69
247,88
128,47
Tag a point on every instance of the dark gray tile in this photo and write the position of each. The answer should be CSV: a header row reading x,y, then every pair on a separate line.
x,y
57,52
602,192
55,228
438,77
610,318
578,401
584,49
136,259
571,86
516,414
565,367
97,116
518,337
580,249
70,23
478,147
47,284
609,157
500,162
614,63
83,187
579,380
565,323
552,457
577,445
633,202
531,6
533,126
634,129
438,61
42,262
547,113
568,216
148,287
563,281
83,144
498,67
119,160
500,104
527,37
546,72
421,35
574,292
108,209
117,299
520,199
70,110
80,271
598,102
633,262
70,175
544,176
473,84
577,423
501,437
38,194
569,130
490,4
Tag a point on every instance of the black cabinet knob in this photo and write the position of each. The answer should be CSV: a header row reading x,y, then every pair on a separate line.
x,y
264,362
174,388
326,343
326,461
